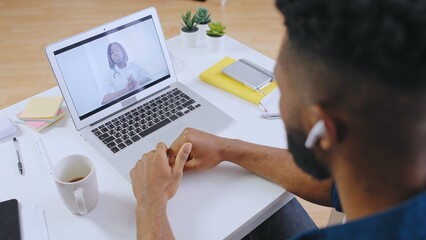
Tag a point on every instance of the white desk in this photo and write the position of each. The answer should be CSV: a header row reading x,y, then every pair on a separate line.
x,y
223,203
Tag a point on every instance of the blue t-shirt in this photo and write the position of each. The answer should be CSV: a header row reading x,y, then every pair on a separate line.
x,y
405,221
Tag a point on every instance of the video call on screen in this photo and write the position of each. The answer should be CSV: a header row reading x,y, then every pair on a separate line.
x,y
108,67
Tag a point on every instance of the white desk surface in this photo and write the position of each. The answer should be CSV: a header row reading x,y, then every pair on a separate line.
x,y
226,202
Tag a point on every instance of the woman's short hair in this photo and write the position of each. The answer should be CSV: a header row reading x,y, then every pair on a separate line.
x,y
110,61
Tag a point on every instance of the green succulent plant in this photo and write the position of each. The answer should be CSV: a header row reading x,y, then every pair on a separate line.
x,y
202,16
217,29
189,21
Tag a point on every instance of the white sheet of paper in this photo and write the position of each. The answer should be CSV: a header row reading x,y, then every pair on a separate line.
x,y
32,219
33,223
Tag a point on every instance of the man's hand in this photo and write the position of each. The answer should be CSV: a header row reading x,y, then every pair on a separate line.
x,y
154,180
206,151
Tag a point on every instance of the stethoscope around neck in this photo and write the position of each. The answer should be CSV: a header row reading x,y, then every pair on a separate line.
x,y
116,72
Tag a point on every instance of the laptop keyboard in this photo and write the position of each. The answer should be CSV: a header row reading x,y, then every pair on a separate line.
x,y
138,123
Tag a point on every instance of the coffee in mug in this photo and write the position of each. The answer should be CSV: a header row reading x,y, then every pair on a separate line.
x,y
76,179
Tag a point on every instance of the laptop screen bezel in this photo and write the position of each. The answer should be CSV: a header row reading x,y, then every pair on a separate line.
x,y
104,112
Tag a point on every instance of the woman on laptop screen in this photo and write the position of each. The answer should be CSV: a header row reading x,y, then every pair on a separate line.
x,y
126,76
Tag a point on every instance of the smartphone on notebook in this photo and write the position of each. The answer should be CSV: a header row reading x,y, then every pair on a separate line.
x,y
9,220
249,74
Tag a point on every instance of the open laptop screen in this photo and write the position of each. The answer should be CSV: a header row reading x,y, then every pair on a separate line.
x,y
107,68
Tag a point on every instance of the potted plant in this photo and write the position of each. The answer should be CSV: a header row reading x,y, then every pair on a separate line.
x,y
203,19
216,36
189,29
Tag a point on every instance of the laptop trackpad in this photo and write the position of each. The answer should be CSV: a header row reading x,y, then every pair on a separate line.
x,y
168,135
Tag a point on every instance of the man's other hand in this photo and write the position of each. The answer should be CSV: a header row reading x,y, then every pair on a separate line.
x,y
206,151
154,180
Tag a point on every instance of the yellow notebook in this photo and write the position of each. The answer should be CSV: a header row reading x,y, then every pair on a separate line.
x,y
41,108
215,77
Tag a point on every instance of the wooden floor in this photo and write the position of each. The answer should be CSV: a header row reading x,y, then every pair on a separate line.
x,y
27,26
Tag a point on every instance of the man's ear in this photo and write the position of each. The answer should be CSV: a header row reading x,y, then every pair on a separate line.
x,y
319,127
316,132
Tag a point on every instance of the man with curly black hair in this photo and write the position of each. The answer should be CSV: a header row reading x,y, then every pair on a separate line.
x,y
352,76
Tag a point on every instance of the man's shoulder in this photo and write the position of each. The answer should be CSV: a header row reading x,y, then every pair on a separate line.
x,y
405,221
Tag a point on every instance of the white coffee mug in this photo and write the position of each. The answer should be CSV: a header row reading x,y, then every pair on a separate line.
x,y
76,182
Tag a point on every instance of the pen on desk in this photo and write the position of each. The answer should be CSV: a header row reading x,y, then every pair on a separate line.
x,y
19,122
18,153
271,115
43,154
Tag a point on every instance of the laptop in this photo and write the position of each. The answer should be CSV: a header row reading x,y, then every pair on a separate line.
x,y
121,90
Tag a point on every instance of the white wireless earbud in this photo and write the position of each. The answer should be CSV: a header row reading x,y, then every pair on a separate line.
x,y
316,132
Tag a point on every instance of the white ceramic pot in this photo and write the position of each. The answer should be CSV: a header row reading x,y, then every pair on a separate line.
x,y
202,29
215,44
189,39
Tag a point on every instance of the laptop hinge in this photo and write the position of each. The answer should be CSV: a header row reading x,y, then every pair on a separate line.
x,y
128,106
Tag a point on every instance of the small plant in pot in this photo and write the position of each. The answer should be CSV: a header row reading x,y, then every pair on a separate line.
x,y
216,36
189,30
203,19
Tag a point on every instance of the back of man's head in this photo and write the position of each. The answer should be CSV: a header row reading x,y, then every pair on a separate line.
x,y
384,38
374,53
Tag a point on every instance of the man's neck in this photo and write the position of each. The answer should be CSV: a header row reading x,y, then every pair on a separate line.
x,y
363,192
